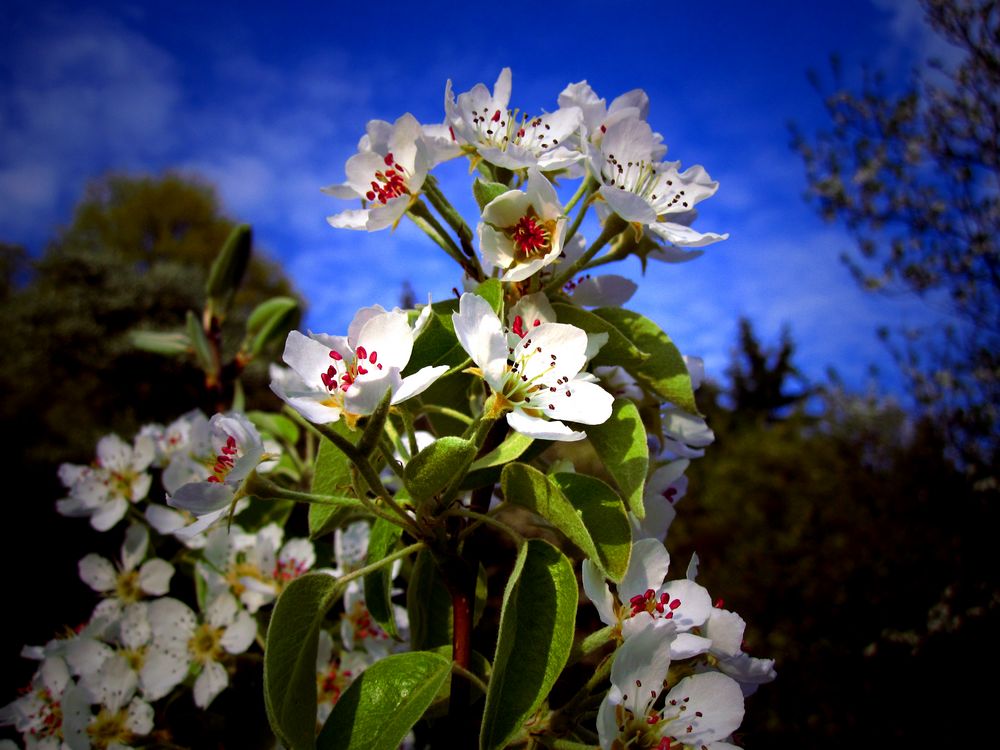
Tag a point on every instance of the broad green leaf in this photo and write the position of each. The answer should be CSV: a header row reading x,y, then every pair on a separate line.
x,y
664,372
277,425
428,604
437,344
378,585
536,636
431,470
199,342
601,511
479,666
484,191
331,477
621,445
270,319
590,514
381,705
491,290
617,351
229,266
160,342
290,657
513,446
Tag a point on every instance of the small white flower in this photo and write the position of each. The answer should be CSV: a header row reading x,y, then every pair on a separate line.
x,y
104,491
521,232
696,713
725,629
131,581
664,488
335,671
387,173
483,122
539,377
350,374
647,192
37,714
598,117
645,599
236,450
358,628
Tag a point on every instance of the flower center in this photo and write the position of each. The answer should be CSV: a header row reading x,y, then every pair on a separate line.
x,y
649,181
46,721
225,461
333,682
649,603
364,626
530,237
348,370
286,570
500,128
390,183
205,644
127,586
109,728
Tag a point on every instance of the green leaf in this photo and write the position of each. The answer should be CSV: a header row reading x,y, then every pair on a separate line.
x,y
437,342
431,470
168,343
663,372
511,448
229,266
621,445
277,425
601,511
199,342
378,585
617,351
290,657
491,290
381,705
271,318
590,514
484,191
428,604
332,477
535,639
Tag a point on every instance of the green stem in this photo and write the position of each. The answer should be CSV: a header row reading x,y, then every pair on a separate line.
x,y
388,450
489,521
586,186
612,227
423,218
454,219
361,572
446,412
571,232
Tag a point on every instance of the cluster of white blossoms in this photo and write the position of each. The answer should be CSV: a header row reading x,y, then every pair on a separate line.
x,y
409,434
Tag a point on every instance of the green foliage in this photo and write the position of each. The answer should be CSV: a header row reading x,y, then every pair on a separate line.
x,y
485,192
378,585
431,470
331,476
290,657
663,372
583,508
228,268
381,705
270,321
621,445
428,605
534,642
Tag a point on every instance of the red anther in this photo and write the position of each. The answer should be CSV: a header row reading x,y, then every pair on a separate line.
x,y
335,355
372,357
537,322
675,604
520,133
649,594
652,719
659,607
668,616
370,195
451,132
214,478
388,159
666,742
362,353
528,236
496,116
362,370
670,494
637,600
518,326
604,128
664,597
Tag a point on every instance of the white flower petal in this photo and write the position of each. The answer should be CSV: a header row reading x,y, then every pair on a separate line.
x,y
155,575
542,429
418,382
714,708
690,603
726,629
481,335
604,291
640,667
140,717
647,567
97,572
597,590
239,636
222,611
628,206
108,514
212,681
202,497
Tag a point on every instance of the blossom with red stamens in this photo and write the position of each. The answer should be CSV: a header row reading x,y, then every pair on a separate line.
x,y
351,374
521,232
386,174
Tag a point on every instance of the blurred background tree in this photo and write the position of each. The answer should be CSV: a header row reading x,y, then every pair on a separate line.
x,y
136,255
915,177
834,524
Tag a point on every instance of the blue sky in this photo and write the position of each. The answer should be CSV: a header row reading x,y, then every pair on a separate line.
x,y
269,102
